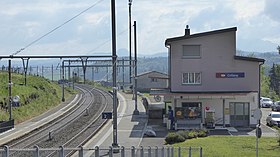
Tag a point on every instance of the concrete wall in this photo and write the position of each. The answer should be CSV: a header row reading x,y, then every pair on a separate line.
x,y
216,103
217,56
144,82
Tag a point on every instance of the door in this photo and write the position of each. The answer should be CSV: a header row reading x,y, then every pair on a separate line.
x,y
239,114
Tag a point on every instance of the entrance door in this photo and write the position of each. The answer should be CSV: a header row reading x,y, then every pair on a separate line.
x,y
239,114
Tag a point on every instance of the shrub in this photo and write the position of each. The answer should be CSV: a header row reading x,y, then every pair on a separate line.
x,y
193,134
174,138
202,133
184,133
278,136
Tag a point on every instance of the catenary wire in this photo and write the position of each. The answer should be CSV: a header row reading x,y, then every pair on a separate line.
x,y
102,44
38,39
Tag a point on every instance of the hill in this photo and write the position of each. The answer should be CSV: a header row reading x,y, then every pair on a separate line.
x,y
36,97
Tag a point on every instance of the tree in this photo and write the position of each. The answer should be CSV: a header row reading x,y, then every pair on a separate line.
x,y
274,83
265,82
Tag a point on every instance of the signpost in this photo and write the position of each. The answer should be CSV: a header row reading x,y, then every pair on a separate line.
x,y
258,115
107,115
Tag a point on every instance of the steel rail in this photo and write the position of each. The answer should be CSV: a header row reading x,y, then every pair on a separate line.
x,y
89,126
41,130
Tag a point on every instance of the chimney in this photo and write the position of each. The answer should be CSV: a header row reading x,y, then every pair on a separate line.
x,y
187,30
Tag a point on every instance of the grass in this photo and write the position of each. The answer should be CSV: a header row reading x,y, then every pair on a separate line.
x,y
38,96
231,146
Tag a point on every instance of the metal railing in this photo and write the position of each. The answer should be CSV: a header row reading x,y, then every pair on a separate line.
x,y
112,152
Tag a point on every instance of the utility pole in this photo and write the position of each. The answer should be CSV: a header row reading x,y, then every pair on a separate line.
x,y
63,80
129,32
52,72
114,59
135,112
123,72
42,71
10,91
92,74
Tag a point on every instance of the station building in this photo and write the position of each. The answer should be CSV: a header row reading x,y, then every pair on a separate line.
x,y
206,76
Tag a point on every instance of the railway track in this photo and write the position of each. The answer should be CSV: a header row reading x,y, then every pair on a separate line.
x,y
71,130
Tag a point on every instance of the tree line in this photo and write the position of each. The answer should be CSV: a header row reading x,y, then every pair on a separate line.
x,y
270,84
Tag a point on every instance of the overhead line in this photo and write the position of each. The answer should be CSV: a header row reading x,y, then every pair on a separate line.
x,y
107,41
33,42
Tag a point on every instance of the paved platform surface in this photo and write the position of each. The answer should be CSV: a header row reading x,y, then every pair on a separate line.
x,y
130,127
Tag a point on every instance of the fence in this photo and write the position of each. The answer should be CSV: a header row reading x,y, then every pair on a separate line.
x,y
112,152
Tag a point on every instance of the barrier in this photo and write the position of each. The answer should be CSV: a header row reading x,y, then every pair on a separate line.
x,y
123,152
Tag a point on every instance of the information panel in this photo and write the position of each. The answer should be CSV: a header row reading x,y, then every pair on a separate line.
x,y
230,75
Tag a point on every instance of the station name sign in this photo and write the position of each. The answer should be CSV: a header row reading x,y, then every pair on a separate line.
x,y
230,75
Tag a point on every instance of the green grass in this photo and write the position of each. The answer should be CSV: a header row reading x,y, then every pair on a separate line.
x,y
48,95
232,146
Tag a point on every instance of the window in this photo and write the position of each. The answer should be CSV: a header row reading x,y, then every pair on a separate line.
x,y
191,78
154,79
191,51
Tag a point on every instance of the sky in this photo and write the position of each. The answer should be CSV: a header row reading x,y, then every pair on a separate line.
x,y
23,22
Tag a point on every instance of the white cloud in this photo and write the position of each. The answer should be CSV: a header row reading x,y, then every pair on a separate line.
x,y
21,22
246,9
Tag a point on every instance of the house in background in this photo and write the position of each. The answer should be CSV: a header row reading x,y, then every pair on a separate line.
x,y
151,79
206,76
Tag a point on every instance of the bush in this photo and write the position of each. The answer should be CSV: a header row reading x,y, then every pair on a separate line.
x,y
202,133
278,135
184,133
174,138
193,134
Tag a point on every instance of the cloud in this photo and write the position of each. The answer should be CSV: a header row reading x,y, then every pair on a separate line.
x,y
22,22
272,9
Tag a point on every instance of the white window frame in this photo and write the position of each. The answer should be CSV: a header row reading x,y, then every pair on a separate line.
x,y
191,56
193,78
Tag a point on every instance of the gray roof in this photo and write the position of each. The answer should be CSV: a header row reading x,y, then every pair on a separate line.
x,y
149,72
253,59
167,41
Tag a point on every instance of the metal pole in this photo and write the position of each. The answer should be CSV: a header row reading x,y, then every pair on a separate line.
x,y
259,106
52,72
107,73
92,74
130,52
123,71
69,71
42,71
84,65
135,112
10,91
257,141
63,99
114,59
37,70
25,68
73,75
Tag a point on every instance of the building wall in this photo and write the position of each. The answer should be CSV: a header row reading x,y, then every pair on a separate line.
x,y
144,82
217,56
216,103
